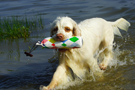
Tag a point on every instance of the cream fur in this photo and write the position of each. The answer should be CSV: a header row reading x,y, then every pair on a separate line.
x,y
97,34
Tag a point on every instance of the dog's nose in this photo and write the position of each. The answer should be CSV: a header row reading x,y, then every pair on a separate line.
x,y
59,37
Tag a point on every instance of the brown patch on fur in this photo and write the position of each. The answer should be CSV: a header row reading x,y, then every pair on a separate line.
x,y
53,31
76,31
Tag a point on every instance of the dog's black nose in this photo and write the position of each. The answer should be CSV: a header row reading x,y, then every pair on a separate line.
x,y
60,37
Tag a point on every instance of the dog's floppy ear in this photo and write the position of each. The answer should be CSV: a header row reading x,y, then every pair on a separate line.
x,y
76,30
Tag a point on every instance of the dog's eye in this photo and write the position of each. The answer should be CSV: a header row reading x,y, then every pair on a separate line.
x,y
67,29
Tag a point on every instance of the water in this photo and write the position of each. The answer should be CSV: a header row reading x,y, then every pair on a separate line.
x,y
18,72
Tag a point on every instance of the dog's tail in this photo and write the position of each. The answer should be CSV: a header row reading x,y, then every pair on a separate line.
x,y
120,24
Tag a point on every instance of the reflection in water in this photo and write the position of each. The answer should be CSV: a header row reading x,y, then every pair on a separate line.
x,y
13,53
11,49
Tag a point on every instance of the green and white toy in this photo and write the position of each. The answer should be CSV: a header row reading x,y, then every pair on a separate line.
x,y
73,42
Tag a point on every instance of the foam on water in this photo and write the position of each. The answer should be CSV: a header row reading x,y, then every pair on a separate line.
x,y
122,57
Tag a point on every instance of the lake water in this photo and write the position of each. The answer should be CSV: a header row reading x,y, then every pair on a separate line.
x,y
18,72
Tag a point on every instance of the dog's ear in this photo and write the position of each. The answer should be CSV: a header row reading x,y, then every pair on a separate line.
x,y
76,30
53,31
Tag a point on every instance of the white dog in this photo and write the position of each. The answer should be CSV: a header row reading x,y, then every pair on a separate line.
x,y
97,34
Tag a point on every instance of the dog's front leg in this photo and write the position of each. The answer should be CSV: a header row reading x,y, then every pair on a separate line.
x,y
60,76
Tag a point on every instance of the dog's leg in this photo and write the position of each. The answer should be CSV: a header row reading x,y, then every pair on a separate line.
x,y
94,67
60,76
103,65
107,54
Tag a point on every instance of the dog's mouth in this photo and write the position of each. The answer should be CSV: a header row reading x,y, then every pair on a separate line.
x,y
62,50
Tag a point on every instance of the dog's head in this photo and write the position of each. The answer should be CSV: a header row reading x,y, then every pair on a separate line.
x,y
64,28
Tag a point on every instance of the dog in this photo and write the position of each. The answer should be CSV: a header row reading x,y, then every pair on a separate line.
x,y
97,34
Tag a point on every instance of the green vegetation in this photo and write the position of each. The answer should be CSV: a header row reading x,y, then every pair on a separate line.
x,y
16,27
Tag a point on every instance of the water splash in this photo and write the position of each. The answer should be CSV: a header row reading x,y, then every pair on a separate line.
x,y
121,57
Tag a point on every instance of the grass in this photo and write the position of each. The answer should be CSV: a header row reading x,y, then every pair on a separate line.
x,y
15,27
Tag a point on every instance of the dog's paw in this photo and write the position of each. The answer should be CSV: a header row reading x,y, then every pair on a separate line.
x,y
43,87
102,66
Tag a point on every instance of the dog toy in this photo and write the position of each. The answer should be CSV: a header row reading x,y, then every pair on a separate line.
x,y
73,42
49,42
